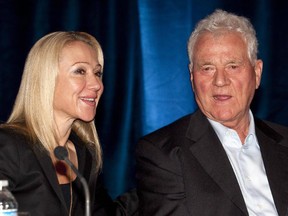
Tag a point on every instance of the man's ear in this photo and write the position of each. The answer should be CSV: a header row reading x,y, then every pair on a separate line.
x,y
191,75
258,72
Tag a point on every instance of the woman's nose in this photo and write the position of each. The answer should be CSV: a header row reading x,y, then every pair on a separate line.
x,y
94,82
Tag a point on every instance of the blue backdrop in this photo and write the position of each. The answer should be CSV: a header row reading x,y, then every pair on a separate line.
x,y
146,74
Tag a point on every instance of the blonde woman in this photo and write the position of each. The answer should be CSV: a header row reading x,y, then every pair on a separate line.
x,y
56,106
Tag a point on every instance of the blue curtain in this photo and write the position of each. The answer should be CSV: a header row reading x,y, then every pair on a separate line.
x,y
146,74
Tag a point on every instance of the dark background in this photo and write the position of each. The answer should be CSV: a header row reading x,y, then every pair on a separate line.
x,y
146,74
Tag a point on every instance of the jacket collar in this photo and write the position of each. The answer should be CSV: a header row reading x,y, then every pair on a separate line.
x,y
274,152
208,150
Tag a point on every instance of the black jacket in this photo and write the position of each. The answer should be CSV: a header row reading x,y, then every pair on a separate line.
x,y
183,169
33,181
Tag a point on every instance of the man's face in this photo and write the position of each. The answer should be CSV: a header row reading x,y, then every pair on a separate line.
x,y
223,78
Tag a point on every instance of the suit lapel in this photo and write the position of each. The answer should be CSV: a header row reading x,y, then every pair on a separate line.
x,y
49,171
84,156
275,157
85,167
204,144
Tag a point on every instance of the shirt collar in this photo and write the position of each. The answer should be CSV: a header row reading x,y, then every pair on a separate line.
x,y
222,130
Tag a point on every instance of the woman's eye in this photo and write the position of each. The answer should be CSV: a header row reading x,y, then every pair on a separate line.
x,y
80,71
99,74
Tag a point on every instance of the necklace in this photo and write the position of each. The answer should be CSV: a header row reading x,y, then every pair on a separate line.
x,y
70,180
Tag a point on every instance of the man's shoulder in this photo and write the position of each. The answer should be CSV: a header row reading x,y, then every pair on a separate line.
x,y
170,136
176,127
273,129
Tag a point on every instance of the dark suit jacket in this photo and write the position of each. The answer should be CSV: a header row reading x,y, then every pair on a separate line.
x,y
182,169
33,181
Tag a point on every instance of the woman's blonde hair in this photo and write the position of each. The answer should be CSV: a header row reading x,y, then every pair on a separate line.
x,y
33,108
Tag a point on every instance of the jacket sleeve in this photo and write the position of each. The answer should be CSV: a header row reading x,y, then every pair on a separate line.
x,y
9,158
159,179
103,204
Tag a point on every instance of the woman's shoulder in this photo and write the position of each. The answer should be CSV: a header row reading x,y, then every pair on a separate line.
x,y
10,135
11,132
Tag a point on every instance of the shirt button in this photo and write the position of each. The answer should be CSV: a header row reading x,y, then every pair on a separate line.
x,y
259,205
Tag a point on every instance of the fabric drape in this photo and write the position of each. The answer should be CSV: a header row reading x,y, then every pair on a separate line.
x,y
146,76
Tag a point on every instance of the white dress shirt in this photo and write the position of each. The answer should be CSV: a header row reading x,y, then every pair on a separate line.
x,y
248,167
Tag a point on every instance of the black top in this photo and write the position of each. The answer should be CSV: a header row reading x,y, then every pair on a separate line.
x,y
66,193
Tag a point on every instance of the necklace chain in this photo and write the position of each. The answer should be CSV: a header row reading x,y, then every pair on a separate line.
x,y
70,180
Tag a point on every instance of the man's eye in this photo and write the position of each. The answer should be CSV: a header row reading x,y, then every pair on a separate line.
x,y
233,67
208,69
99,74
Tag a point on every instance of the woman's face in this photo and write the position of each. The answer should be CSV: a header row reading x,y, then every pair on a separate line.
x,y
78,85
